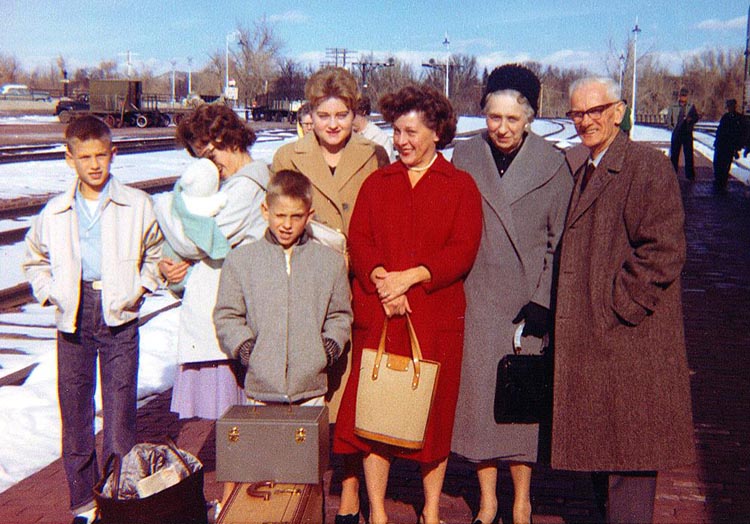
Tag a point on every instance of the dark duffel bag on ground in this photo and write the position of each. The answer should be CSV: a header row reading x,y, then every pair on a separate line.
x,y
152,484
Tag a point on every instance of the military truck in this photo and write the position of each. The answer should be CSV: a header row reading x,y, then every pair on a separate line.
x,y
122,103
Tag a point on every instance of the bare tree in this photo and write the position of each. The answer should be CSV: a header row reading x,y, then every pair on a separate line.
x,y
257,59
210,80
712,77
389,79
10,69
465,87
290,83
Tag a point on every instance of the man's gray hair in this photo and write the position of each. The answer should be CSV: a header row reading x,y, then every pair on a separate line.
x,y
612,87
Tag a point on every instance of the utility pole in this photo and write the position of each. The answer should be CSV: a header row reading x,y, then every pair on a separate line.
x,y
366,66
335,52
129,56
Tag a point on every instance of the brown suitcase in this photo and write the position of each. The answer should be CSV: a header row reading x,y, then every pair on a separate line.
x,y
268,502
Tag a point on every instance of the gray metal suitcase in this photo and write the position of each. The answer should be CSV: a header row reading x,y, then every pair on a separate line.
x,y
278,442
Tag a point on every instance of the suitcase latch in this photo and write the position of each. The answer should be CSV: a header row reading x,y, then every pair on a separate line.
x,y
234,434
300,435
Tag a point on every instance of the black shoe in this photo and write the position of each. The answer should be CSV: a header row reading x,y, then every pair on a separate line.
x,y
352,518
83,520
78,519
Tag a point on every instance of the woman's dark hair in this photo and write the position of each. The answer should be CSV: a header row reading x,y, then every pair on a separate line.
x,y
216,124
436,110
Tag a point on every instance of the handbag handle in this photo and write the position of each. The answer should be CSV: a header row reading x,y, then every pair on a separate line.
x,y
517,339
416,352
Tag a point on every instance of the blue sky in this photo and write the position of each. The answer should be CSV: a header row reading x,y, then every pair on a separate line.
x,y
561,33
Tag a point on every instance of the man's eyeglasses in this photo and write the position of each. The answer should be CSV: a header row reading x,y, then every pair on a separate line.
x,y
595,113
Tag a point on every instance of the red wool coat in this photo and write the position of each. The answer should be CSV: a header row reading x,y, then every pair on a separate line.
x,y
438,224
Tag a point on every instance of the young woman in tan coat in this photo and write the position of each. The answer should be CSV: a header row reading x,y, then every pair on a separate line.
x,y
337,162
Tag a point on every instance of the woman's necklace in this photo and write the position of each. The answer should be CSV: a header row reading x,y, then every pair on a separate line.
x,y
425,168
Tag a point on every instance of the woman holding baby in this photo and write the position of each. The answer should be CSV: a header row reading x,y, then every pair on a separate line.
x,y
206,383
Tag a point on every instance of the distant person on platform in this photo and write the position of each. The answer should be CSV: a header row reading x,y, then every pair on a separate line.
x,y
304,119
93,254
369,130
681,118
627,120
621,404
729,141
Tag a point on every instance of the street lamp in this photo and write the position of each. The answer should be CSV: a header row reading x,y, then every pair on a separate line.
x,y
190,75
231,36
636,30
447,45
433,64
174,63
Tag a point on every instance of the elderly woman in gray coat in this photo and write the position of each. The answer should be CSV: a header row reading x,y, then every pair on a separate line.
x,y
526,185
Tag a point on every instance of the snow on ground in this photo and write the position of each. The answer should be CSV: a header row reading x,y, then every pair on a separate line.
x,y
29,119
29,418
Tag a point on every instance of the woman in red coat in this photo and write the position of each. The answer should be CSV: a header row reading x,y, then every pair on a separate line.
x,y
413,237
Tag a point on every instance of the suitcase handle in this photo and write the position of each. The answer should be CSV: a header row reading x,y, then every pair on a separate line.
x,y
253,489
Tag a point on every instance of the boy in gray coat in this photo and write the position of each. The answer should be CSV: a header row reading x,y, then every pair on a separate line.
x,y
283,305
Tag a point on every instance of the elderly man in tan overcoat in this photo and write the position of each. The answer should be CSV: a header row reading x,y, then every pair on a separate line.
x,y
622,394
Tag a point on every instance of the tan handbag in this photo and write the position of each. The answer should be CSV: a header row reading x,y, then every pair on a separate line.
x,y
394,400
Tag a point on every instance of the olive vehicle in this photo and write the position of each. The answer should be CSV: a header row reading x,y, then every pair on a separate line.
x,y
122,103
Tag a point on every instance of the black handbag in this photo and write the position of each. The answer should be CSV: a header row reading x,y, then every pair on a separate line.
x,y
117,498
523,392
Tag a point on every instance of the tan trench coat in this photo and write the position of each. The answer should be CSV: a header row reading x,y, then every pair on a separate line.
x,y
333,195
621,391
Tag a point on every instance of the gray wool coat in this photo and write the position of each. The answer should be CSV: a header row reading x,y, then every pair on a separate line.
x,y
286,317
621,390
524,212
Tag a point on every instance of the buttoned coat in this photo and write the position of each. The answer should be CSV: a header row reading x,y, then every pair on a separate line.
x,y
333,195
436,224
524,212
621,385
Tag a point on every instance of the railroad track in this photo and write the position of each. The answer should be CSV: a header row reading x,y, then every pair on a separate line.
x,y
28,206
26,153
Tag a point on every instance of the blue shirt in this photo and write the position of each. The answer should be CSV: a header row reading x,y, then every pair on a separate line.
x,y
90,234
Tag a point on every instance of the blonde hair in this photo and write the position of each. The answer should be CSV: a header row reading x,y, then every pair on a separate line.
x,y
332,82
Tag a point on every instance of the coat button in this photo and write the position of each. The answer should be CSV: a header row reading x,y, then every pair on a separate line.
x,y
345,206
